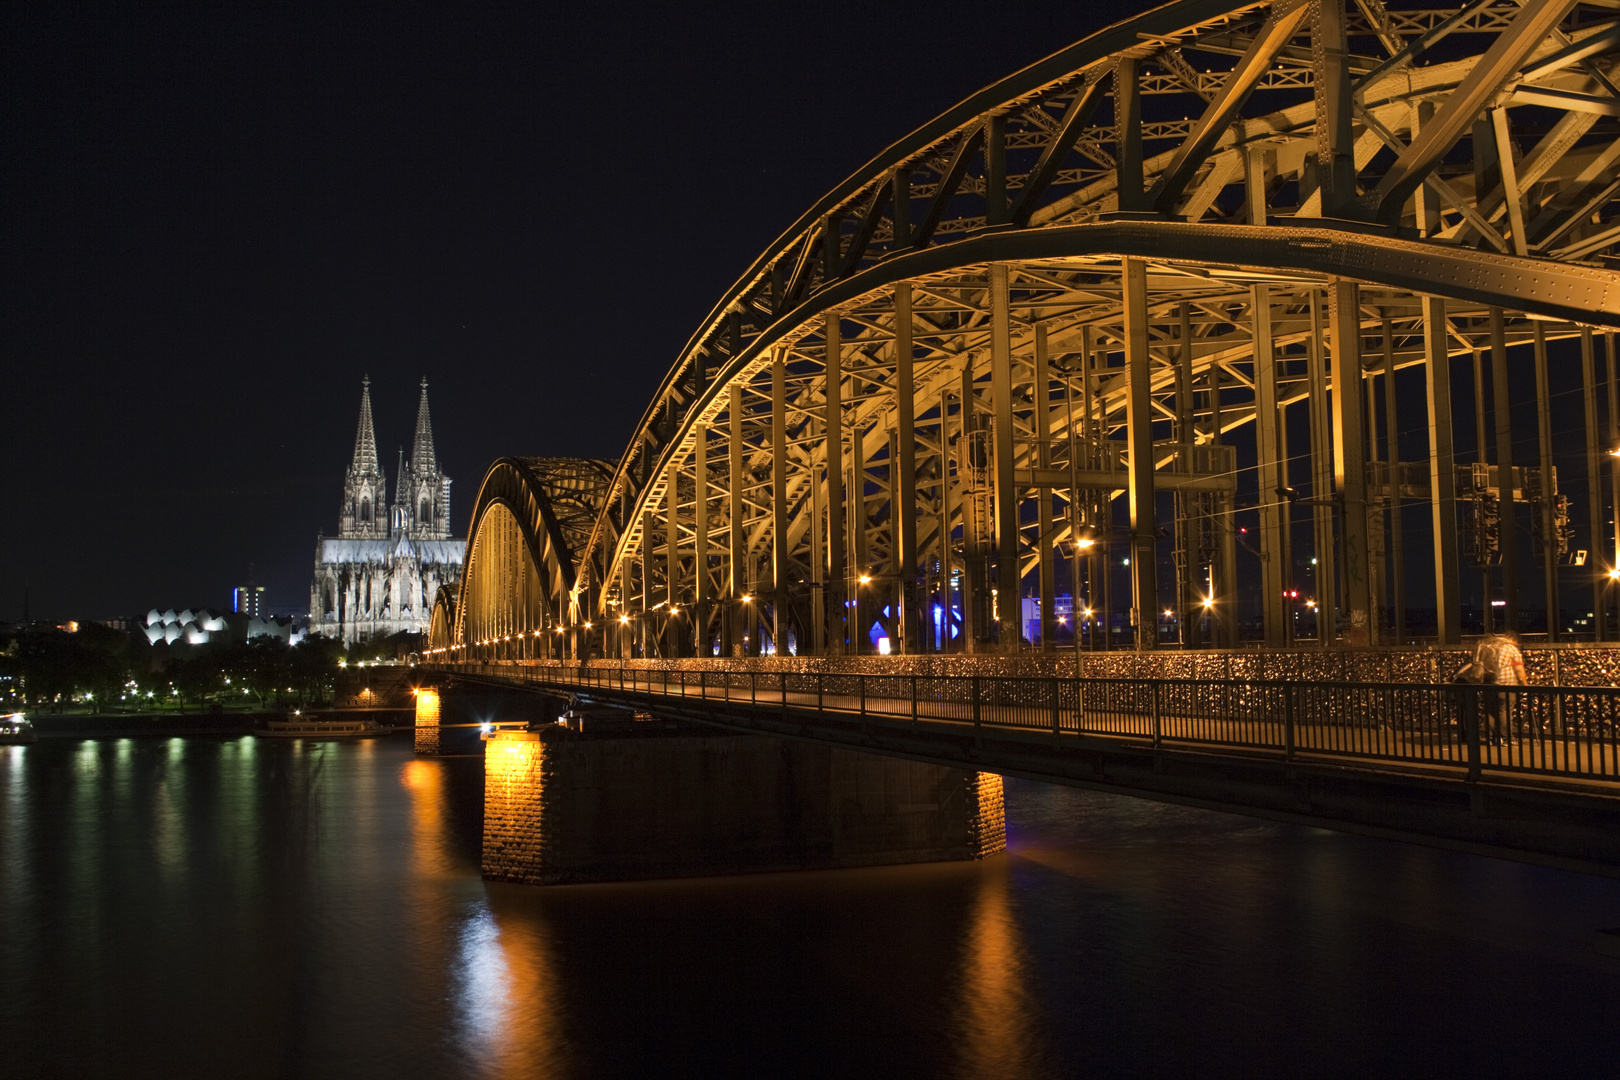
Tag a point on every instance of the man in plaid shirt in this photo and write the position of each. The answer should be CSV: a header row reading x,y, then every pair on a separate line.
x,y
1504,666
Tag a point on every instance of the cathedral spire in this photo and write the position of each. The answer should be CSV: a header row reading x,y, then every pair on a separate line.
x,y
365,487
365,439
423,460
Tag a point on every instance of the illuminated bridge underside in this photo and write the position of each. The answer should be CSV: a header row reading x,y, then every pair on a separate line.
x,y
531,518
1094,311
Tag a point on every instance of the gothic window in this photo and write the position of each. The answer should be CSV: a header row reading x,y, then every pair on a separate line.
x,y
426,516
365,509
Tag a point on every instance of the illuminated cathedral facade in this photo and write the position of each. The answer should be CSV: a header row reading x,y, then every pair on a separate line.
x,y
379,575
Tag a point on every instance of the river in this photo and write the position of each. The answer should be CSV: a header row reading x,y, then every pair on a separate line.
x,y
247,908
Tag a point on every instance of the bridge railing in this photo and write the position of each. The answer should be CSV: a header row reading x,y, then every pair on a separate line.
x,y
1546,730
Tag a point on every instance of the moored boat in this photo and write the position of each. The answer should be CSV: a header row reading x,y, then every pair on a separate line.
x,y
15,730
298,726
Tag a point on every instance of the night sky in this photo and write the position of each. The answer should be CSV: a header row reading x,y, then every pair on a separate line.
x,y
218,218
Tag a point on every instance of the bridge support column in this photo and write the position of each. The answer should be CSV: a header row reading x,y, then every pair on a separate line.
x,y
1594,483
1397,539
903,477
672,563
647,633
860,606
833,433
1043,460
1442,472
1349,456
1189,506
1009,583
1612,441
736,629
779,514
1224,587
1507,533
1139,440
1550,545
1325,580
701,585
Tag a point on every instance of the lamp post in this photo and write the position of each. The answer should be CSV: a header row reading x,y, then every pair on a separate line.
x,y
1085,538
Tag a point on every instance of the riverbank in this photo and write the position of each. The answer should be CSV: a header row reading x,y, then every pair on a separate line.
x,y
171,724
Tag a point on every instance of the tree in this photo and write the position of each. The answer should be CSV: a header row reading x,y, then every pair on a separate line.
x,y
196,677
263,665
314,667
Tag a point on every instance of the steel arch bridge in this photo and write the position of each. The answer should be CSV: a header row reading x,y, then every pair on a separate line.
x,y
1210,253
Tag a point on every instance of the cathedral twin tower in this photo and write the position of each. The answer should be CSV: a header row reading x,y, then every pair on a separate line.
x,y
421,495
380,574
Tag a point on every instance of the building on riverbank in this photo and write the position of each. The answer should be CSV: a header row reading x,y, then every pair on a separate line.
x,y
380,574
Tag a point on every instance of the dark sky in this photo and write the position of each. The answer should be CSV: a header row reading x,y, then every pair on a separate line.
x,y
218,217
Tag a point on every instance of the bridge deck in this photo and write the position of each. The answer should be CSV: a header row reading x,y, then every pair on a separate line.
x,y
1568,733
1401,761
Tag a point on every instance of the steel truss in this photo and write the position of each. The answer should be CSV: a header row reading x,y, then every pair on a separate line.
x,y
1153,264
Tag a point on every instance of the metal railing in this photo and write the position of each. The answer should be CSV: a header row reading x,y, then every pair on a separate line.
x,y
1545,730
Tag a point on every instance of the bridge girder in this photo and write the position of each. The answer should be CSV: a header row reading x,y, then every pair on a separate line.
x,y
1359,189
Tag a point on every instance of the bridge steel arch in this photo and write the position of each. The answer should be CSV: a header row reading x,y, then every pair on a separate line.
x,y
519,589
1200,271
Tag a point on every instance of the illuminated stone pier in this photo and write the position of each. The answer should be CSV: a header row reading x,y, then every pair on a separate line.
x,y
562,806
427,720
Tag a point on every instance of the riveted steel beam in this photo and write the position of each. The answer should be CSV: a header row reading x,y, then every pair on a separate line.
x,y
1139,440
1505,56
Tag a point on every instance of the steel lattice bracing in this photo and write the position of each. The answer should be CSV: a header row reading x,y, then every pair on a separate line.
x,y
1074,316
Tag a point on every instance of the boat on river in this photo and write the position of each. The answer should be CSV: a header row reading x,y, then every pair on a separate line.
x,y
15,730
298,726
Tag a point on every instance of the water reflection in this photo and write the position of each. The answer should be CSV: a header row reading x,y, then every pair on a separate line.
x,y
272,909
424,780
508,996
998,1031
501,984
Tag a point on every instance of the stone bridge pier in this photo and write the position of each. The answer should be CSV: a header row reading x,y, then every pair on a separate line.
x,y
605,796
451,717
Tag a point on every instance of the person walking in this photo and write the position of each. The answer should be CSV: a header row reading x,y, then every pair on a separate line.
x,y
1504,667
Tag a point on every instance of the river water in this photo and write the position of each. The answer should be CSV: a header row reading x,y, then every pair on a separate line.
x,y
247,908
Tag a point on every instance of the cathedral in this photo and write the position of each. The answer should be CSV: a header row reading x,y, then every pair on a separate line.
x,y
379,575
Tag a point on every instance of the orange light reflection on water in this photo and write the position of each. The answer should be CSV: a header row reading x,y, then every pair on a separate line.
x,y
998,1024
503,999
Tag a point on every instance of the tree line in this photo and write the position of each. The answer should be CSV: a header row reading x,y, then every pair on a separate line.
x,y
103,669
